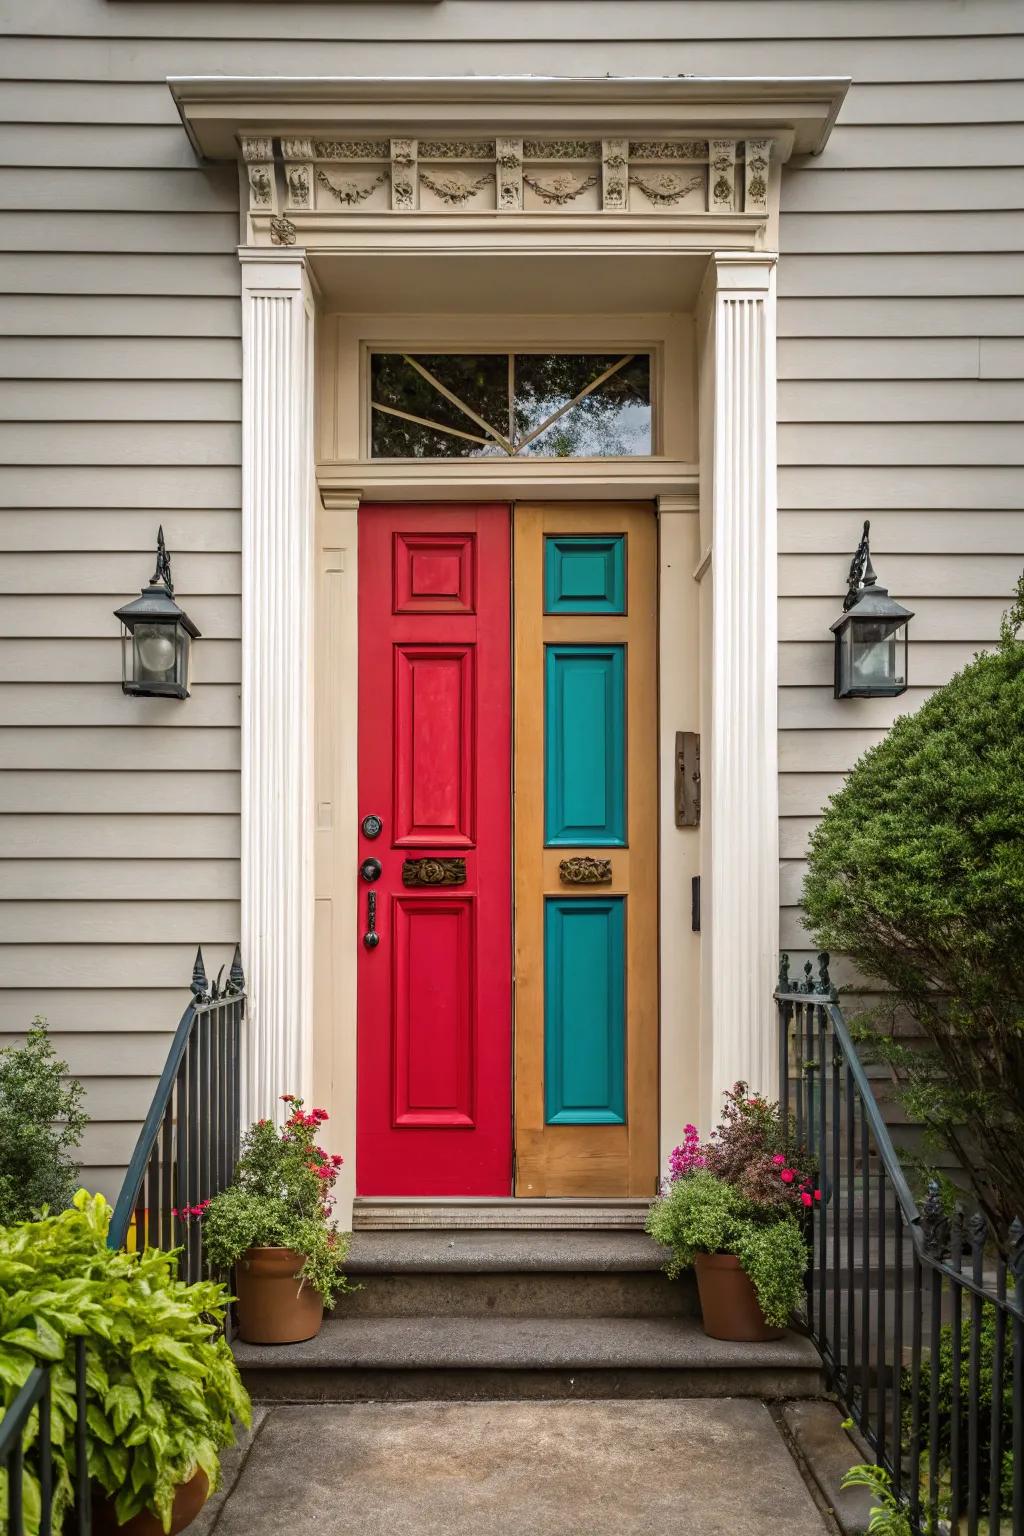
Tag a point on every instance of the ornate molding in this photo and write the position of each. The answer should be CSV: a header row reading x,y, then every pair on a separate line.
x,y
560,189
282,232
455,187
646,176
666,188
583,870
433,872
352,192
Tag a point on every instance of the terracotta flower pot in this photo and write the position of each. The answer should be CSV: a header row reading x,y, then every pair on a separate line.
x,y
274,1305
729,1302
188,1501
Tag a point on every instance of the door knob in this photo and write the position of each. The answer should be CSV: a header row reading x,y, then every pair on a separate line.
x,y
370,870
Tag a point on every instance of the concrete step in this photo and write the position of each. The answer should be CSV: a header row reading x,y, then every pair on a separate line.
x,y
446,1357
452,1273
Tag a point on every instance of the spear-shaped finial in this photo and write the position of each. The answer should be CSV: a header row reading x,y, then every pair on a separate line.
x,y
199,982
236,976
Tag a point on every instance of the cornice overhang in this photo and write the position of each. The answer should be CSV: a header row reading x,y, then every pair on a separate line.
x,y
797,112
338,163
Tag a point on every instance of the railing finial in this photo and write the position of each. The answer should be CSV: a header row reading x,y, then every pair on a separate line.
x,y
199,984
825,986
807,985
934,1222
783,972
236,976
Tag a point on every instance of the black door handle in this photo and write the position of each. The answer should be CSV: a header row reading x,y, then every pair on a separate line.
x,y
371,938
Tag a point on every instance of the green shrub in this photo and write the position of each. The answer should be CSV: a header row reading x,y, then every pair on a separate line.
x,y
986,1387
163,1388
280,1198
916,872
701,1213
41,1120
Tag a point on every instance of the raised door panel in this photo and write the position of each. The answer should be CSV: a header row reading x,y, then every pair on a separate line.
x,y
584,1011
434,1000
584,746
435,745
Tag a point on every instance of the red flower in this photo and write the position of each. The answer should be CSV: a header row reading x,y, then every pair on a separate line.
x,y
337,1161
287,1098
805,1197
817,1194
787,1175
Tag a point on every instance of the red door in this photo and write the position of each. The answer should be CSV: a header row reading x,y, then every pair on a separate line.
x,y
434,1106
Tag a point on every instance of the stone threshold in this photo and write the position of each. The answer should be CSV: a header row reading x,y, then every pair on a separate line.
x,y
407,1213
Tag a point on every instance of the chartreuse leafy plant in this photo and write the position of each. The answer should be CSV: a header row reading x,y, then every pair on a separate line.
x,y
163,1390
916,871
889,1514
281,1198
701,1213
41,1122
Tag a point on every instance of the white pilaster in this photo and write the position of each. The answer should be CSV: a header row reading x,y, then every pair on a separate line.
x,y
277,651
740,762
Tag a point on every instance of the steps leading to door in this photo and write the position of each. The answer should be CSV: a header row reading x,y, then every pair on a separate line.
x,y
520,1357
507,1314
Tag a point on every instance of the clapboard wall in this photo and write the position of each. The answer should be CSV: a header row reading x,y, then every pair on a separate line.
x,y
900,359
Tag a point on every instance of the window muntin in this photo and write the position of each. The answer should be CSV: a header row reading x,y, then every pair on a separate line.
x,y
510,404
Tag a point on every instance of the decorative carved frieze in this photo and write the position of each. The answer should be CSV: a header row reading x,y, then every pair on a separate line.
x,y
508,154
348,149
668,149
561,188
457,149
282,232
257,149
758,154
561,149
507,174
583,870
666,188
403,174
349,193
722,176
615,174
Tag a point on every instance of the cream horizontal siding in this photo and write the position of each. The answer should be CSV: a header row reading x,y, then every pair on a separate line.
x,y
901,326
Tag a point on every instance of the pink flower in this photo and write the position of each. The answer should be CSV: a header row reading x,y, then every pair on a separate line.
x,y
805,1197
337,1161
787,1175
817,1194
779,1159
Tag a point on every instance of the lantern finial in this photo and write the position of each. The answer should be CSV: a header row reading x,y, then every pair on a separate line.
x,y
163,564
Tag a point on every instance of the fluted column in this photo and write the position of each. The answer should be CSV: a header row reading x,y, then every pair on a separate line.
x,y
741,789
277,651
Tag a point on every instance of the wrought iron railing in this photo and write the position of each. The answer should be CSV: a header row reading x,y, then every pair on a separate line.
x,y
26,1452
918,1313
188,1145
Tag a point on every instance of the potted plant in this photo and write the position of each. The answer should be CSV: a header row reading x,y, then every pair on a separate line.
x,y
735,1209
163,1392
273,1225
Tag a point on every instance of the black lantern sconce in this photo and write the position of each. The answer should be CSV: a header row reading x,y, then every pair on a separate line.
x,y
871,635
156,637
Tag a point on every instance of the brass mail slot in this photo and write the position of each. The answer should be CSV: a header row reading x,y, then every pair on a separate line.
x,y
433,872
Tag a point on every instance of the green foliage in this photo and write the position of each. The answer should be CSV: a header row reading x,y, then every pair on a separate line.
x,y
889,1516
701,1213
163,1389
986,1387
917,873
41,1120
280,1198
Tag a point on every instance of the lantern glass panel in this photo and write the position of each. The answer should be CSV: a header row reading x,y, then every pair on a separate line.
x,y
156,652
872,657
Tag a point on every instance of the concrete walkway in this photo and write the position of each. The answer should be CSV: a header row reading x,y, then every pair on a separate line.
x,y
718,1467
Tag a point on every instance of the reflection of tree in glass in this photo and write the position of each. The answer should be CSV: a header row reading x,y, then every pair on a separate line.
x,y
613,420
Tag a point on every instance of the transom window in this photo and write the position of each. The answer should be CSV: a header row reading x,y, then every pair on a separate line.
x,y
547,405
